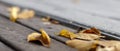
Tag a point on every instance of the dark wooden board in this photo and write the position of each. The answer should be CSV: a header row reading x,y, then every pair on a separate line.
x,y
17,34
4,47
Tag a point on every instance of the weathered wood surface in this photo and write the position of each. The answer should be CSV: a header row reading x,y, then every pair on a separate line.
x,y
36,23
93,13
4,47
87,14
17,34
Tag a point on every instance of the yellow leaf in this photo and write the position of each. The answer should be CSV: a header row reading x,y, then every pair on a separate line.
x,y
14,13
44,38
67,34
25,14
64,33
33,37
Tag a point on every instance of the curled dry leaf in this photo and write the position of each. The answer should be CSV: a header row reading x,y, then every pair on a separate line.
x,y
91,31
88,36
67,34
44,38
14,13
25,14
33,36
80,44
82,35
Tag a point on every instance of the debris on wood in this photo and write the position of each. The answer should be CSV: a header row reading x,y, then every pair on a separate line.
x,y
25,14
67,34
48,19
16,13
54,22
106,45
81,45
89,36
92,30
110,45
43,38
89,40
33,36
106,48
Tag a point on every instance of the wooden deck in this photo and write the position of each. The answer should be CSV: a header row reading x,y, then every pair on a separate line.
x,y
101,14
90,13
16,34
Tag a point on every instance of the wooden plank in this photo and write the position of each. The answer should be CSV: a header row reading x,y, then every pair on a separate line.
x,y
4,47
36,23
106,24
17,34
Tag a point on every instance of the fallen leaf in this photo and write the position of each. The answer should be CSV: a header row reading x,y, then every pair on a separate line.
x,y
80,44
64,33
14,13
91,31
44,38
25,14
67,34
33,36
89,36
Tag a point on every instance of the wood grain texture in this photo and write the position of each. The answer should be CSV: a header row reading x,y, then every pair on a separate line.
x,y
17,34
4,47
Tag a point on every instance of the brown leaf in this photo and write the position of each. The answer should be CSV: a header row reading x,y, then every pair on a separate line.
x,y
91,31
